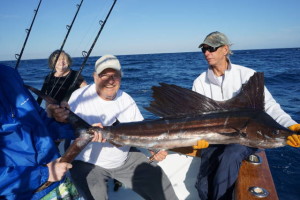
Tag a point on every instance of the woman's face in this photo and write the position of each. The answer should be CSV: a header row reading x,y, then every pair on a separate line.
x,y
62,64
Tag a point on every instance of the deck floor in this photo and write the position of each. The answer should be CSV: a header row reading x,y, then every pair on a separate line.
x,y
182,171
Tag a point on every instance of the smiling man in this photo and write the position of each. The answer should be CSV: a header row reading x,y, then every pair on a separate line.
x,y
103,102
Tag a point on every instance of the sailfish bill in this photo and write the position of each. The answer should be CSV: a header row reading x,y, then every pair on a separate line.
x,y
187,117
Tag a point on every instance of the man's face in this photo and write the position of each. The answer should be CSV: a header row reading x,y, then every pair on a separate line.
x,y
107,83
215,56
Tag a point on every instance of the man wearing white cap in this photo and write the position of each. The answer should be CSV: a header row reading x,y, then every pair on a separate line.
x,y
222,81
104,102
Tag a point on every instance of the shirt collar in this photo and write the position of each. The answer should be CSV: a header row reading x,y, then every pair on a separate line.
x,y
211,77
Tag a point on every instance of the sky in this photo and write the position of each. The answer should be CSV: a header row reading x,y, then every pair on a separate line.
x,y
145,26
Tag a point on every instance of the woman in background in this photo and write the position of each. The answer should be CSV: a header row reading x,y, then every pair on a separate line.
x,y
57,83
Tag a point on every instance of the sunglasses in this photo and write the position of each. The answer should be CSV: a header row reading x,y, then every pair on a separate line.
x,y
210,49
105,77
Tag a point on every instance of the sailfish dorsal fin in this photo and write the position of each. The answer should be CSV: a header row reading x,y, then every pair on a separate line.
x,y
251,96
175,101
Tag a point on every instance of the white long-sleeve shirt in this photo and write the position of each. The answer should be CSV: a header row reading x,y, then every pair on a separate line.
x,y
211,86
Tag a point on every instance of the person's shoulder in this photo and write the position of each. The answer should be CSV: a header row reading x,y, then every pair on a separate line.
x,y
73,72
49,77
201,77
80,94
83,90
124,96
244,72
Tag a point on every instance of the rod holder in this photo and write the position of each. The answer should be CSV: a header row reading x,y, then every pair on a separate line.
x,y
254,159
258,192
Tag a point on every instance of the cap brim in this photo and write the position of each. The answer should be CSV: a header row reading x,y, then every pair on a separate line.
x,y
200,45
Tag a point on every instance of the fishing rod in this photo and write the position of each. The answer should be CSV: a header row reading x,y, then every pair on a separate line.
x,y
69,27
87,54
18,56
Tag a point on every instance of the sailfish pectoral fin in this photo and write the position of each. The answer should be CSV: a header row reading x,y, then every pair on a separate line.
x,y
154,152
240,132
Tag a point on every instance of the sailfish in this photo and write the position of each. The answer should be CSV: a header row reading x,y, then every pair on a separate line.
x,y
186,117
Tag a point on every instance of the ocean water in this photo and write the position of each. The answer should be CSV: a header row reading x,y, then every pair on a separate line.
x,y
280,66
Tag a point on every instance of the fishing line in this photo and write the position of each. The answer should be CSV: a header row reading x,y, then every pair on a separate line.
x,y
87,54
69,27
90,29
60,85
19,56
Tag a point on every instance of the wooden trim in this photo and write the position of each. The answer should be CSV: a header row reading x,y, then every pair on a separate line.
x,y
255,175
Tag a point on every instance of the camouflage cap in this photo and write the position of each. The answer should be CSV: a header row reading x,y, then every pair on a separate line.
x,y
215,39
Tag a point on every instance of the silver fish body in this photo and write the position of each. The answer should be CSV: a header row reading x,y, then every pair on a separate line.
x,y
246,127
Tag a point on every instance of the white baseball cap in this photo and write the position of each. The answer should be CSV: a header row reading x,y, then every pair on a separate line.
x,y
107,61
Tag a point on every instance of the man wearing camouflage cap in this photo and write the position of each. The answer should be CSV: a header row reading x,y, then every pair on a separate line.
x,y
222,81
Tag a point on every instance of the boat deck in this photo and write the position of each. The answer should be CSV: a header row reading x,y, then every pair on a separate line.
x,y
182,171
